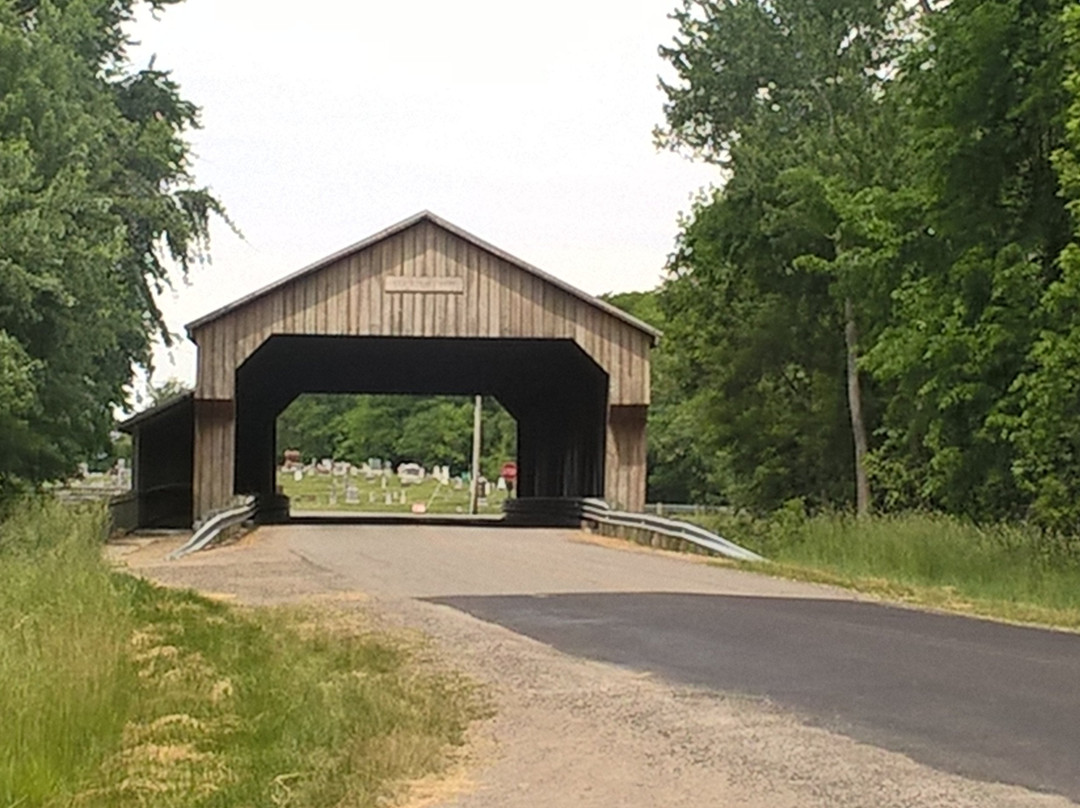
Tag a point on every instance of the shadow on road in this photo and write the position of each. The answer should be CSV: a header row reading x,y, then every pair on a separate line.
x,y
994,702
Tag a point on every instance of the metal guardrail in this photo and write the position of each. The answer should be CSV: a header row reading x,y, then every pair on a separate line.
x,y
564,511
668,508
213,525
568,512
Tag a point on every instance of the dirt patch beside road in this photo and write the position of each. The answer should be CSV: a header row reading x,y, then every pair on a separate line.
x,y
579,733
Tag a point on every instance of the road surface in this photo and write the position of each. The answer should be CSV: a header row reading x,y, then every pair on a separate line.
x,y
979,701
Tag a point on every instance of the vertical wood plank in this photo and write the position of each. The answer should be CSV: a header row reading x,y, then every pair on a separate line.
x,y
532,306
408,301
273,313
456,267
472,291
374,267
288,310
213,358
394,300
442,301
363,293
513,310
335,322
494,291
500,299
484,307
319,284
352,293
221,341
430,300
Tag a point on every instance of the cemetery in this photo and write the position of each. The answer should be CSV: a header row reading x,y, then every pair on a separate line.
x,y
330,486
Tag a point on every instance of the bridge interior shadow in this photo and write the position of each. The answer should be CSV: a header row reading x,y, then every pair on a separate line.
x,y
988,701
555,392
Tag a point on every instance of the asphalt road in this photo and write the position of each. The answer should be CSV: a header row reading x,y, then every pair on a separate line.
x,y
991,702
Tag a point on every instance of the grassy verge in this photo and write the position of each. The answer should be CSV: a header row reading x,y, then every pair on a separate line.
x,y
1011,572
115,692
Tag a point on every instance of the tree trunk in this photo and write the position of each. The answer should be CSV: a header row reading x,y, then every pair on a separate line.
x,y
858,429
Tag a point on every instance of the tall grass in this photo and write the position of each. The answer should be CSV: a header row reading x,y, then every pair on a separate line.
x,y
1007,570
65,680
116,692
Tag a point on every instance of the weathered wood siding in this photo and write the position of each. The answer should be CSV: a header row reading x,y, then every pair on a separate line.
x,y
624,466
215,453
464,290
350,298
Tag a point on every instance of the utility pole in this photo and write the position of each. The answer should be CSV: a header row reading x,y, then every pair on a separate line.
x,y
474,482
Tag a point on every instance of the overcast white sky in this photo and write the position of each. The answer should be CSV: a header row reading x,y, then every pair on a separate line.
x,y
528,124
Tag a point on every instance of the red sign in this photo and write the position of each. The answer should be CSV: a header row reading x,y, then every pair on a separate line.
x,y
509,471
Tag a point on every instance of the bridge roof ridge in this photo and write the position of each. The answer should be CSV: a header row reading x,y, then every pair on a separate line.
x,y
405,224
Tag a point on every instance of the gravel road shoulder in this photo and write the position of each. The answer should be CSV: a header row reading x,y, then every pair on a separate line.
x,y
574,732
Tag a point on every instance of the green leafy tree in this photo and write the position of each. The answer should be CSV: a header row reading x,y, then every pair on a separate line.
x,y
498,443
371,427
756,351
167,390
1046,428
438,432
96,200
681,466
313,425
896,178
983,86
430,430
787,97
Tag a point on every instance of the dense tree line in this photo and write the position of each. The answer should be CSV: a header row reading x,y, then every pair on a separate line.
x,y
430,430
96,204
878,307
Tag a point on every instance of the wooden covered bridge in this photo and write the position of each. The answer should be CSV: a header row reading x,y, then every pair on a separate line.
x,y
422,307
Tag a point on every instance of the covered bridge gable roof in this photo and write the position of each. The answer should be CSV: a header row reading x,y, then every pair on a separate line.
x,y
401,226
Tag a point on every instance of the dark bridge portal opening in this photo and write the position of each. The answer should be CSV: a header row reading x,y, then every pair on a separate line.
x,y
555,392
